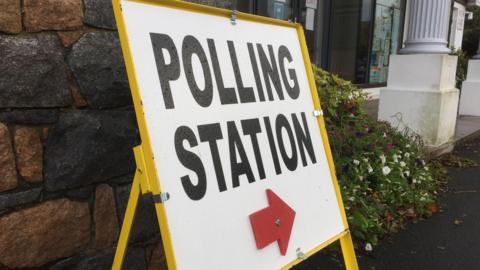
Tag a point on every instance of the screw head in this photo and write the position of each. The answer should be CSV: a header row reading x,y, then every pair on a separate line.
x,y
278,222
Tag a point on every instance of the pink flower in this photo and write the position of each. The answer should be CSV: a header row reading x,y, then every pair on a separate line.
x,y
389,146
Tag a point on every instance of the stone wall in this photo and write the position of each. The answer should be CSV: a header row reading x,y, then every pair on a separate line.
x,y
67,128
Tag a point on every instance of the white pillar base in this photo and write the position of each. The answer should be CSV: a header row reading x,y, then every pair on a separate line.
x,y
425,47
470,96
421,96
428,22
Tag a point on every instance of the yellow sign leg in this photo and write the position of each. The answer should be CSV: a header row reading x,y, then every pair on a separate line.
x,y
127,222
348,252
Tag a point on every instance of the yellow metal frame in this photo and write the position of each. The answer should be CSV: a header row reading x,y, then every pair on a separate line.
x,y
146,179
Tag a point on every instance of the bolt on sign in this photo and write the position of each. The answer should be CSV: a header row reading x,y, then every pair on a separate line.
x,y
234,149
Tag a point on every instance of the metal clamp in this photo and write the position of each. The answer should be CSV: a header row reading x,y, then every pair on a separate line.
x,y
161,198
317,113
233,17
300,254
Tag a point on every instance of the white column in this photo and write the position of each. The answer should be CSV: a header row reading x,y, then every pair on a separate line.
x,y
470,97
420,93
428,22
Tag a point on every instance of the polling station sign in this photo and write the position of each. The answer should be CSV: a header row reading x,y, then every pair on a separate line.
x,y
228,109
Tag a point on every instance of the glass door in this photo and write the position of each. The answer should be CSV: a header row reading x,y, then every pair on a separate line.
x,y
349,39
386,38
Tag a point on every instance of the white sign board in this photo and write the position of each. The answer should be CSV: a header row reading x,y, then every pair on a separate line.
x,y
230,116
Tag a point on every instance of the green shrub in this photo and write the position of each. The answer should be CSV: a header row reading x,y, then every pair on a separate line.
x,y
462,66
471,33
382,172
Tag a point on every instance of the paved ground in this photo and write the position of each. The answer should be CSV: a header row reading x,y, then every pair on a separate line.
x,y
449,240
466,126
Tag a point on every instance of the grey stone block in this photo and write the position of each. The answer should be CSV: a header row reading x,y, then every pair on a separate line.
x,y
10,200
28,117
145,226
33,73
87,147
99,13
97,63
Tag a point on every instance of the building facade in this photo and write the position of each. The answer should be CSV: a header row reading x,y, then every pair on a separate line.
x,y
398,50
352,38
65,107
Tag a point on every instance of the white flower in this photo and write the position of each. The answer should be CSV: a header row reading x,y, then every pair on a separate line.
x,y
414,180
352,115
370,169
407,155
356,162
360,178
423,162
384,135
383,159
395,158
386,170
426,168
368,247
407,146
350,96
403,164
407,173
365,160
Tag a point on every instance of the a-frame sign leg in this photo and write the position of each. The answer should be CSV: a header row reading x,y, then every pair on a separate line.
x,y
139,186
127,222
348,251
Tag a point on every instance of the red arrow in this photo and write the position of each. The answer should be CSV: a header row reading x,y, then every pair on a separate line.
x,y
273,223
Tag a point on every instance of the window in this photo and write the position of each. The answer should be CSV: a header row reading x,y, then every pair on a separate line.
x,y
244,6
351,38
362,36
386,36
292,10
275,8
